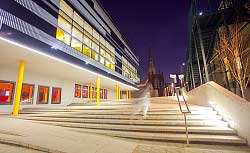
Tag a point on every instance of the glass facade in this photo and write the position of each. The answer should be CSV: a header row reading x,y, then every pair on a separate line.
x,y
74,31
6,92
128,70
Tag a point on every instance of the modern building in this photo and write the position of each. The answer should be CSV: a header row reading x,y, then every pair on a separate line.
x,y
57,52
203,63
156,79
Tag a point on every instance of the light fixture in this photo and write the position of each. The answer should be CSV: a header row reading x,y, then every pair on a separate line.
x,y
201,13
53,47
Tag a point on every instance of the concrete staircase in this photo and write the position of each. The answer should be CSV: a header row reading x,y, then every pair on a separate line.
x,y
164,122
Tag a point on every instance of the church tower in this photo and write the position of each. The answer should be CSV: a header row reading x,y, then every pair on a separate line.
x,y
151,68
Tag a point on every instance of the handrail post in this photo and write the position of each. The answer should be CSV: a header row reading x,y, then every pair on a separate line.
x,y
186,128
184,113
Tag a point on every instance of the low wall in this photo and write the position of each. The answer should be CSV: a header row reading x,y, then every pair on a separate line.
x,y
234,109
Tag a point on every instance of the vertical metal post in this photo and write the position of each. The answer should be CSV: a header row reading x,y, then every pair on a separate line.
x,y
192,74
18,88
186,128
198,59
202,50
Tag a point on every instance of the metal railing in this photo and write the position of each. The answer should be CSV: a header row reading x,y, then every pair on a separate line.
x,y
184,112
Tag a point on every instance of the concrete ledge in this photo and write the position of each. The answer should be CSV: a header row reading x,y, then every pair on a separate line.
x,y
234,109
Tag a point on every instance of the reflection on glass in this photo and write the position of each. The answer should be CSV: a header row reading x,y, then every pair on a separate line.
x,y
6,89
43,95
27,93
56,95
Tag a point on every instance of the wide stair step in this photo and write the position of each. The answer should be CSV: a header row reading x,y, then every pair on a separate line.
x,y
163,122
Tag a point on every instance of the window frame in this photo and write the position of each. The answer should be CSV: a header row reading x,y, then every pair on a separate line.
x,y
87,87
13,90
80,91
38,94
60,101
25,103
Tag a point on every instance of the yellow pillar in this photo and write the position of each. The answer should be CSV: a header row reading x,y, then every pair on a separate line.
x,y
18,88
117,92
127,94
98,90
90,93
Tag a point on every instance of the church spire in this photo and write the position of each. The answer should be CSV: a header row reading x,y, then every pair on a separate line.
x,y
151,68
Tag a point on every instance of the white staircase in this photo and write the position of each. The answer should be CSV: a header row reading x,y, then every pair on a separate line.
x,y
164,122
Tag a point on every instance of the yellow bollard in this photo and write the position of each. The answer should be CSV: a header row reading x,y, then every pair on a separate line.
x,y
90,93
98,91
18,88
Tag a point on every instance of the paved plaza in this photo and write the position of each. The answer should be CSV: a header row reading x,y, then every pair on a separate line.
x,y
24,136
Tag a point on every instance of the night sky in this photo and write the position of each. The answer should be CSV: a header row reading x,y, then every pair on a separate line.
x,y
160,24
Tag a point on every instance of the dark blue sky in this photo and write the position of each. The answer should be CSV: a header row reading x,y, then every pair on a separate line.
x,y
159,24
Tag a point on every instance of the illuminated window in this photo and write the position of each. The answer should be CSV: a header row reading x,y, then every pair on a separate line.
x,y
74,31
77,91
112,66
65,25
94,55
95,35
102,52
94,92
107,45
95,47
85,92
27,93
105,94
78,19
101,94
63,36
107,63
43,95
88,28
56,95
102,40
6,92
66,8
87,41
76,44
77,34
102,60
86,50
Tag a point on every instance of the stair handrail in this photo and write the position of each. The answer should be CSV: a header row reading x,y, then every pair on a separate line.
x,y
178,91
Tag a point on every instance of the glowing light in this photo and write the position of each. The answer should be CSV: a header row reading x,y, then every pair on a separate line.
x,y
7,93
201,13
172,84
65,62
